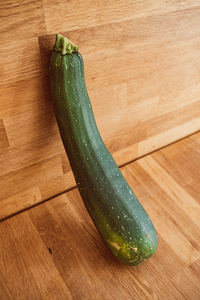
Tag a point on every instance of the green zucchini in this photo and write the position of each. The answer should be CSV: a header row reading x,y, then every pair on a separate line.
x,y
116,212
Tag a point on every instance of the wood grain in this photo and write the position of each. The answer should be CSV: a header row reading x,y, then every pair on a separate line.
x,y
32,179
187,282
62,16
40,123
5,162
142,74
53,250
3,136
23,96
20,64
41,280
20,20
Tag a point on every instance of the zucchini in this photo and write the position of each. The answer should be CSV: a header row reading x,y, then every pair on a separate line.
x,y
116,212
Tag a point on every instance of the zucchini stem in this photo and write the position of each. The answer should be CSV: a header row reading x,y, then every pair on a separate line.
x,y
64,46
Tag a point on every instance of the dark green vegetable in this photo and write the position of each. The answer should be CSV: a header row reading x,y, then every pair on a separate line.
x,y
112,205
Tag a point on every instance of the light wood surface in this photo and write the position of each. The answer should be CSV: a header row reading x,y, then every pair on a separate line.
x,y
142,73
53,250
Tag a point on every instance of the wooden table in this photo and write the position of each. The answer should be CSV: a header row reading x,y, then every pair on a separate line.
x,y
53,251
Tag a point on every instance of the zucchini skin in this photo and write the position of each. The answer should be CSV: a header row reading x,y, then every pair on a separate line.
x,y
116,212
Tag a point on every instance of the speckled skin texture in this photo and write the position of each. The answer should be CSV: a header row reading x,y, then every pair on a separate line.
x,y
116,212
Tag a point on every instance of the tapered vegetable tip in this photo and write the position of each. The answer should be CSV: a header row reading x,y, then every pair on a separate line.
x,y
64,46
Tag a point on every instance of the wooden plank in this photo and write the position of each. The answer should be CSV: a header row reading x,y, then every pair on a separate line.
x,y
178,216
57,185
21,19
30,126
137,131
23,96
35,151
21,64
11,183
93,13
19,201
26,265
179,167
187,282
156,141
166,224
189,205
